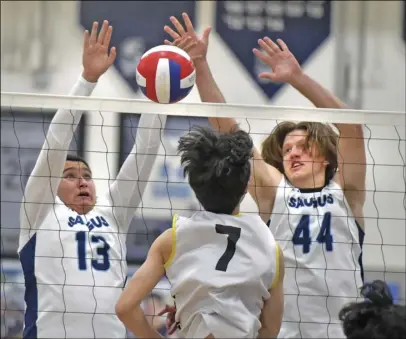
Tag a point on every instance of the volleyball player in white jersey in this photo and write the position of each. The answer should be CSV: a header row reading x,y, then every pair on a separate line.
x,y
309,185
72,242
225,269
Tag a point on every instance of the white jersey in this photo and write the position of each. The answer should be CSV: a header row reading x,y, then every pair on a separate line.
x,y
75,265
220,274
322,246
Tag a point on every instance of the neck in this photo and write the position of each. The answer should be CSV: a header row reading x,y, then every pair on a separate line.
x,y
81,210
236,210
314,182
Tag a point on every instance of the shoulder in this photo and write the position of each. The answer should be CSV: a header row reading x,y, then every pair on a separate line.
x,y
163,245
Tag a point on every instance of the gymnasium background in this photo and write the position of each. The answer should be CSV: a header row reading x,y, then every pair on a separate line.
x,y
355,48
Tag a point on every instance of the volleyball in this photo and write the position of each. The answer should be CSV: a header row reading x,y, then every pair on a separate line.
x,y
165,74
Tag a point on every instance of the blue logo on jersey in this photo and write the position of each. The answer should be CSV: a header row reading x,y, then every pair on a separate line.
x,y
92,223
315,202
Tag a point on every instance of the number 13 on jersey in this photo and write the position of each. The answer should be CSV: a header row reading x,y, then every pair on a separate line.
x,y
302,237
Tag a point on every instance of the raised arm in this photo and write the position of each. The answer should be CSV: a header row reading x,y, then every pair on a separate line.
x,y
42,185
351,148
264,178
127,190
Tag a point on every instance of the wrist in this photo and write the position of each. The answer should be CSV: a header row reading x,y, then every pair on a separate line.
x,y
299,80
89,77
200,63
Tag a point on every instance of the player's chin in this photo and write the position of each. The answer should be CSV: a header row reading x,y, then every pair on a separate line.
x,y
84,203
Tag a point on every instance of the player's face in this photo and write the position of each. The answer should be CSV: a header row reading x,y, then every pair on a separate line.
x,y
77,189
304,167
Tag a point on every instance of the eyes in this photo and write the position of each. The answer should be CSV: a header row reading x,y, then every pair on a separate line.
x,y
299,147
74,176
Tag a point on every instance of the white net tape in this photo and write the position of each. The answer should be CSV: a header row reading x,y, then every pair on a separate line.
x,y
106,137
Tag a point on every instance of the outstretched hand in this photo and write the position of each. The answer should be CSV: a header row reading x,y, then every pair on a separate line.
x,y
187,39
96,56
170,312
285,67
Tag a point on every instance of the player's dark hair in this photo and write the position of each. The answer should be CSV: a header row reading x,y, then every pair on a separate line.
x,y
77,158
376,317
218,167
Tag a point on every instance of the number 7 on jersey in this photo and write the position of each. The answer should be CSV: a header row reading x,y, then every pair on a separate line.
x,y
234,234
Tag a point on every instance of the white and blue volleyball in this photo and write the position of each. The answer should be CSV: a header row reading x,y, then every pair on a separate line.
x,y
166,74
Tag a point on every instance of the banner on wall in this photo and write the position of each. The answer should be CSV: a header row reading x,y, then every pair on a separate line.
x,y
303,25
137,27
22,137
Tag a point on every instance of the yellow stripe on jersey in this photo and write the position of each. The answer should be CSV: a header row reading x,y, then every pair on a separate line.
x,y
276,279
173,252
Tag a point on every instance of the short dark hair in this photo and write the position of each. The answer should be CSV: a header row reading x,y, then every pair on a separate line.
x,y
77,158
377,317
217,165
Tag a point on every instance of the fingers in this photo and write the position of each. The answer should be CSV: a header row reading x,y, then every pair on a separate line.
x,y
107,37
206,35
261,56
93,34
167,309
103,32
112,56
171,32
184,43
86,38
188,24
282,45
269,46
177,25
172,329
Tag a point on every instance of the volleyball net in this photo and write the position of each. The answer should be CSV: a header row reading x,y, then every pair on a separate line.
x,y
106,136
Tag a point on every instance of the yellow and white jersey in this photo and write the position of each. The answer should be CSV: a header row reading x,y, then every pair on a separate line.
x,y
220,271
322,247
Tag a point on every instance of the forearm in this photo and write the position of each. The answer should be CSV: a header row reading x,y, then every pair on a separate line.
x,y
266,333
139,325
316,93
129,186
210,92
65,121
42,185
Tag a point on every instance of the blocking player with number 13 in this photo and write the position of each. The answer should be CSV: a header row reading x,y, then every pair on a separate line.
x,y
72,243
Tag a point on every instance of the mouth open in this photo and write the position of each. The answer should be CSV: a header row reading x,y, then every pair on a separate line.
x,y
296,165
84,195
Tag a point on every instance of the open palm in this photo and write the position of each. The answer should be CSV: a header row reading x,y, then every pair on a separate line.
x,y
96,56
187,39
282,62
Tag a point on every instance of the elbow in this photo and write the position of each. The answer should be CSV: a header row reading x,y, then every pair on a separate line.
x,y
125,311
121,310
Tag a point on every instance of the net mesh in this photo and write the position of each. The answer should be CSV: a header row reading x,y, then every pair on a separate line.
x,y
105,137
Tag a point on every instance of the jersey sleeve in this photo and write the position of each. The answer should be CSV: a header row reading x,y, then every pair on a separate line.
x,y
127,190
41,189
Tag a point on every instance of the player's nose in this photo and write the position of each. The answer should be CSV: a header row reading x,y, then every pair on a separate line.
x,y
82,182
295,153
